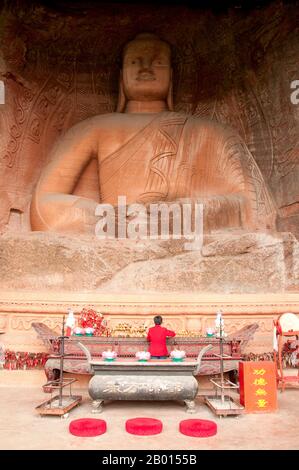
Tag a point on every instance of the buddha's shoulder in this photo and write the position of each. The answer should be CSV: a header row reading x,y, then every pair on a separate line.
x,y
94,122
209,125
105,118
109,121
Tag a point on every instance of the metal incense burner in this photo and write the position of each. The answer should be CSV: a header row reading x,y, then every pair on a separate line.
x,y
129,379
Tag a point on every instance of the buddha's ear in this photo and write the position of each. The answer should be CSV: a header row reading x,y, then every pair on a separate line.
x,y
170,94
121,104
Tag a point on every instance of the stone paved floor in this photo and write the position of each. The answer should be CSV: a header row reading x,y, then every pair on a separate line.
x,y
21,427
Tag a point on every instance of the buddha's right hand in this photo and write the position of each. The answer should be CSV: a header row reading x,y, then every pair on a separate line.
x,y
63,213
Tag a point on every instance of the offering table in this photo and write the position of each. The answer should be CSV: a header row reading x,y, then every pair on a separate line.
x,y
75,361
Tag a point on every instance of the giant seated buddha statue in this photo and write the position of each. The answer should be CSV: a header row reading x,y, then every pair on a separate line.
x,y
148,153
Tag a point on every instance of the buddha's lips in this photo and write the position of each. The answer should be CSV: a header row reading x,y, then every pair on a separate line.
x,y
146,77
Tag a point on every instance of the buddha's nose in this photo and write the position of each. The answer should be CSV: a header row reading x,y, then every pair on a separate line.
x,y
146,63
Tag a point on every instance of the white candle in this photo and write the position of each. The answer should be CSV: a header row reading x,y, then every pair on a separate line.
x,y
219,320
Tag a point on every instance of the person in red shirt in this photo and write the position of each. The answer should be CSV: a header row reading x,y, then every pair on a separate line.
x,y
157,338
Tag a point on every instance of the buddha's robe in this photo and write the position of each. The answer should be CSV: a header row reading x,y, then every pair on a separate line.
x,y
173,157
177,156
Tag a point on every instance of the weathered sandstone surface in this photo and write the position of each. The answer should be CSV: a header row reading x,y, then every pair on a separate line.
x,y
227,263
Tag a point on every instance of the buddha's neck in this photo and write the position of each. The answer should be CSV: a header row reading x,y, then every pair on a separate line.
x,y
146,106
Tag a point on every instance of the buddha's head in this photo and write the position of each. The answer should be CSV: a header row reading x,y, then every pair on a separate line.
x,y
146,74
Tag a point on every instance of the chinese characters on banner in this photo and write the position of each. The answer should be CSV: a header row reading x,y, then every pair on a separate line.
x,y
258,391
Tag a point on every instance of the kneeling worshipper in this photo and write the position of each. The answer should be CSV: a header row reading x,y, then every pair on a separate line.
x,y
157,338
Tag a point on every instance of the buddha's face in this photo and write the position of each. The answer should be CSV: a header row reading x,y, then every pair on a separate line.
x,y
146,70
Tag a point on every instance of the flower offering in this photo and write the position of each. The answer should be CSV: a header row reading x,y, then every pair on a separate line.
x,y
89,331
143,356
177,355
210,332
89,318
109,355
79,331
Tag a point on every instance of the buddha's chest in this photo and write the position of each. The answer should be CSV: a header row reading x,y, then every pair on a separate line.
x,y
126,173
142,165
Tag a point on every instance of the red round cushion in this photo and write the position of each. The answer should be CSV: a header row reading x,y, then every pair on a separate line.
x,y
87,427
144,426
198,427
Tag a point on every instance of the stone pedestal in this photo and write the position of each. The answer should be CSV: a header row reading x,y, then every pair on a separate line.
x,y
227,264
